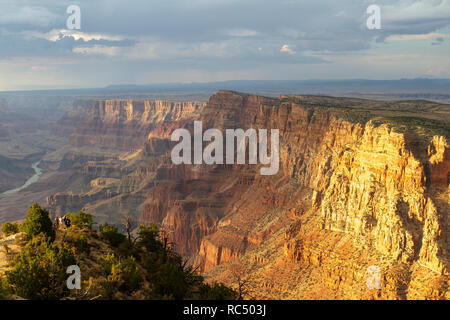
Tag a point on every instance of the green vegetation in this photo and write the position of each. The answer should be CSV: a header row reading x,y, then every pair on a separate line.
x,y
115,276
218,291
110,233
113,266
166,274
420,117
3,290
9,228
131,275
38,221
419,126
78,241
81,219
39,271
148,238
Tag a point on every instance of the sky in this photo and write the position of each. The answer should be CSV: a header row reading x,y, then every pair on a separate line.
x,y
146,41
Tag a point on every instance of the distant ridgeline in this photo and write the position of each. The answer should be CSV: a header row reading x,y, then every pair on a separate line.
x,y
419,88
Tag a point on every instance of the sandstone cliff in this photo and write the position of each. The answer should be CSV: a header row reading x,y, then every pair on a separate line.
x,y
358,192
120,124
361,183
117,141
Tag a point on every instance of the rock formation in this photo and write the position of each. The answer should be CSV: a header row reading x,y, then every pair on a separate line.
x,y
120,124
361,183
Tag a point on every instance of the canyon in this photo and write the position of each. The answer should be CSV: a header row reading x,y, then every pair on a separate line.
x,y
361,183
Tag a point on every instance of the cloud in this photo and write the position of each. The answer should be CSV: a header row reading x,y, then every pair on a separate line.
x,y
34,44
334,26
415,16
58,34
416,10
210,55
241,33
97,50
408,37
218,36
286,48
12,15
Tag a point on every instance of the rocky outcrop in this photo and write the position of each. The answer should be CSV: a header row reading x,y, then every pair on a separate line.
x,y
371,194
361,183
383,194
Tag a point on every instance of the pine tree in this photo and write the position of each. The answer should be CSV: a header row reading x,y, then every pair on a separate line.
x,y
38,221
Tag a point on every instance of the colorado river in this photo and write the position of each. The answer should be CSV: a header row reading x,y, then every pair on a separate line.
x,y
38,172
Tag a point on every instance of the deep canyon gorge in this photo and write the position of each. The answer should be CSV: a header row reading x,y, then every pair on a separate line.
x,y
361,183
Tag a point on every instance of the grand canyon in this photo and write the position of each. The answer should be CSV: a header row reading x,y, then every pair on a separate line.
x,y
362,183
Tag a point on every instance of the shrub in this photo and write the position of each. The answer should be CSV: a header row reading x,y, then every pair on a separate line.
x,y
127,248
119,276
38,221
82,245
131,276
107,264
39,271
3,290
80,242
109,286
218,291
9,228
149,238
81,219
169,282
111,234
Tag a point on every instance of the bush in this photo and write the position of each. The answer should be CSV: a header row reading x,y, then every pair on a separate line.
x,y
38,221
107,264
39,271
149,238
131,276
9,228
127,248
81,219
119,276
169,276
218,291
111,234
3,290
82,245
80,242
109,286
169,282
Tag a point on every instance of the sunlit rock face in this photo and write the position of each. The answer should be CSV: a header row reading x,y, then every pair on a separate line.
x,y
350,194
354,190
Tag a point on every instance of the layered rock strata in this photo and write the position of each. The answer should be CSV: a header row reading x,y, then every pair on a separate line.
x,y
361,183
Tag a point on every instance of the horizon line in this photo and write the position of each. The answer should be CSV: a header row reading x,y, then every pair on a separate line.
x,y
171,84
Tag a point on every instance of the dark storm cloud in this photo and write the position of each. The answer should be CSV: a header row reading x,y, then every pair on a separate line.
x,y
23,46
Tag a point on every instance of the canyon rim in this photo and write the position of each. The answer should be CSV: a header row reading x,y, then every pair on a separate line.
x,y
361,183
